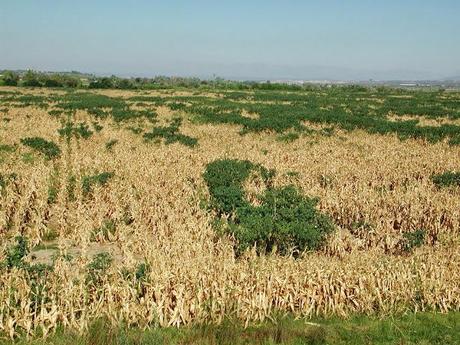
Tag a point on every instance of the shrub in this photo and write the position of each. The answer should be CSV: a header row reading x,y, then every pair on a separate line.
x,y
285,220
446,179
49,149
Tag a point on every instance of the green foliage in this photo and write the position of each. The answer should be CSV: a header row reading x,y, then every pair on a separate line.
x,y
7,148
447,179
80,130
31,79
5,179
97,127
14,257
55,112
100,179
176,106
142,271
110,144
53,188
348,108
285,220
171,134
49,149
288,137
135,130
10,78
71,186
412,240
102,83
97,268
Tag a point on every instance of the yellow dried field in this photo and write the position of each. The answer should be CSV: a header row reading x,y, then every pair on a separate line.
x,y
375,187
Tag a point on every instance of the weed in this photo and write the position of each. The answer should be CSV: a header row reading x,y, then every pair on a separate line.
x,y
7,148
285,221
14,257
447,179
100,179
78,131
412,240
71,186
49,149
98,267
110,144
171,134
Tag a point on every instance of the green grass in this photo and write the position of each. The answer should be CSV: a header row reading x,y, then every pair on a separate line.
x,y
421,328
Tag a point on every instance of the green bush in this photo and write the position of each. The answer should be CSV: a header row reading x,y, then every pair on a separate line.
x,y
447,179
285,220
49,149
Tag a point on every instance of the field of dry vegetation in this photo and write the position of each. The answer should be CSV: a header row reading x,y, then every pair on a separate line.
x,y
105,211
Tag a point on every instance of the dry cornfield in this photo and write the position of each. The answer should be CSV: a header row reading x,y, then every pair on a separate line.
x,y
150,214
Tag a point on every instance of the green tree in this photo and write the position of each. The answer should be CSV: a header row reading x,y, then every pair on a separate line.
x,y
10,78
31,78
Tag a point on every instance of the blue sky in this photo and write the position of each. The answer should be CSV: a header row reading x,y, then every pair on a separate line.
x,y
258,39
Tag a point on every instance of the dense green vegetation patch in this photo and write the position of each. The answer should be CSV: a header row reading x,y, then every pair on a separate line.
x,y
49,149
7,148
284,219
447,179
171,134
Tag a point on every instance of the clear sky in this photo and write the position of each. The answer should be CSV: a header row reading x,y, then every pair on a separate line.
x,y
266,39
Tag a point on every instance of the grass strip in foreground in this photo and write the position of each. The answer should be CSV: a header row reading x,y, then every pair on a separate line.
x,y
421,328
